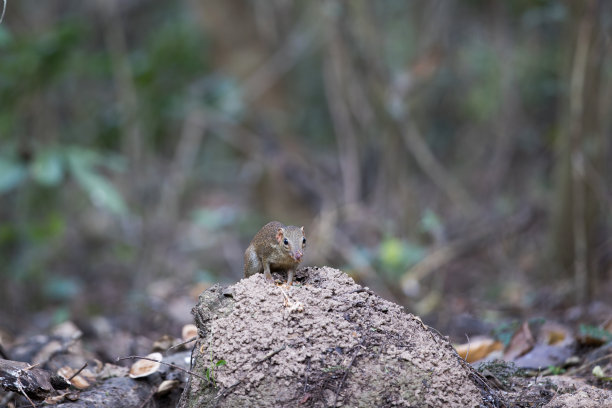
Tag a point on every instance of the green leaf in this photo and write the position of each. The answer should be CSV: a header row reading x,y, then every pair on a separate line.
x,y
80,158
599,373
391,252
11,174
5,35
51,226
60,315
399,254
430,222
62,288
220,363
101,192
214,219
47,168
556,370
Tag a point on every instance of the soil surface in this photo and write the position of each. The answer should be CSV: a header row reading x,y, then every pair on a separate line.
x,y
325,341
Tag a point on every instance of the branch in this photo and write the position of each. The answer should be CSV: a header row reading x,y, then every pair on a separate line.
x,y
577,155
28,380
343,127
295,47
416,145
485,236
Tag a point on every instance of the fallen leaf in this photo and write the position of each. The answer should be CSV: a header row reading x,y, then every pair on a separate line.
x,y
77,381
189,331
144,368
166,386
478,348
521,342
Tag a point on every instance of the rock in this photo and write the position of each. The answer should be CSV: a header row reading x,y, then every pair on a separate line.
x,y
325,341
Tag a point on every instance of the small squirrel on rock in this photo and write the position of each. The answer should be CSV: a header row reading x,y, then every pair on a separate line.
x,y
276,247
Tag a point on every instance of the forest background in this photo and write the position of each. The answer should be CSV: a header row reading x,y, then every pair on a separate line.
x,y
454,156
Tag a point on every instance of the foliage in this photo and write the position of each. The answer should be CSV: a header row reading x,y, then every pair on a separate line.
x,y
598,372
133,142
209,373
596,333
396,255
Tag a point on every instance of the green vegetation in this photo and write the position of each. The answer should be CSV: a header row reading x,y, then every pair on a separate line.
x,y
149,141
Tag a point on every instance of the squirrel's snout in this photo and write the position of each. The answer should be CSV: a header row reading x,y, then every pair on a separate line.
x,y
298,256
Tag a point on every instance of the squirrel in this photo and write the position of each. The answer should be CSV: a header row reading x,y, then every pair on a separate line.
x,y
276,247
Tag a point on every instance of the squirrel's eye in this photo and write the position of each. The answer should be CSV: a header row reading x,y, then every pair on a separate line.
x,y
303,241
285,241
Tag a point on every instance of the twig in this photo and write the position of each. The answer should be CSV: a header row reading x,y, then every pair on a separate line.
x,y
307,371
77,372
296,46
486,235
31,366
20,386
183,343
186,154
582,367
293,306
271,354
3,10
116,43
477,377
226,392
360,290
348,155
166,364
431,166
346,372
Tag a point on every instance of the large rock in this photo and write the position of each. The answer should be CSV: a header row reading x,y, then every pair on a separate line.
x,y
325,341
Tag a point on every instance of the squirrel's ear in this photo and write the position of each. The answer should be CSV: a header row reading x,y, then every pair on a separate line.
x,y
279,234
302,228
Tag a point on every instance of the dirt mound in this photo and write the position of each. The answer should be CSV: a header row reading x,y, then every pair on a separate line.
x,y
325,341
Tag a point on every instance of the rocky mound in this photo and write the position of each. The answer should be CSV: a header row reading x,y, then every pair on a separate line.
x,y
325,341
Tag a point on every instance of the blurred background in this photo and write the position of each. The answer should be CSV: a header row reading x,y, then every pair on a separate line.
x,y
453,156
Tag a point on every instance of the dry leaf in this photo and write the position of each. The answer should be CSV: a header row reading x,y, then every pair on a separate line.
x,y
163,343
143,368
555,334
189,331
478,348
45,353
166,386
112,370
77,381
522,341
67,330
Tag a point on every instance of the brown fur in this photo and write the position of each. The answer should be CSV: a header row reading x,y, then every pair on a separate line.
x,y
267,250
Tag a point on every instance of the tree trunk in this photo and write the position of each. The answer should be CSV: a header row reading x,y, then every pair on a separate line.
x,y
580,153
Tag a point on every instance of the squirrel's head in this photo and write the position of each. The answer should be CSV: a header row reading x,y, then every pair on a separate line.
x,y
292,240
